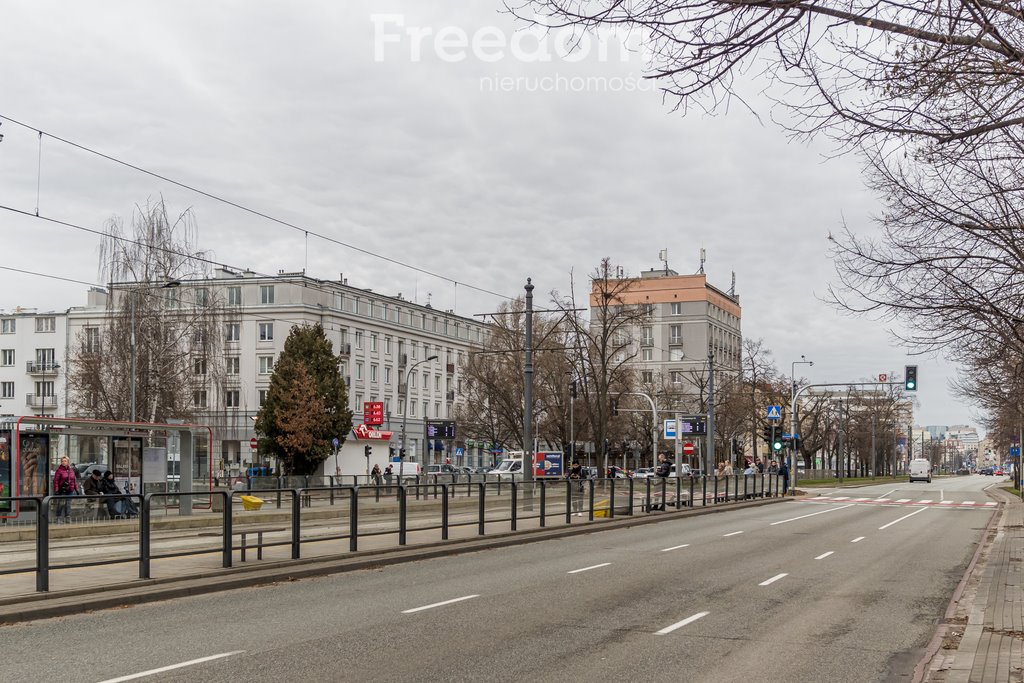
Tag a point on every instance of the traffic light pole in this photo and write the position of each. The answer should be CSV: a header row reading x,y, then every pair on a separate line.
x,y
792,414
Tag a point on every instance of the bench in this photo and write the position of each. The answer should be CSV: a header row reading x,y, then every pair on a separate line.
x,y
259,531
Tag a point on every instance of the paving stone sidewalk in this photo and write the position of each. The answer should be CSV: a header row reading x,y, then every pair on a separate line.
x,y
983,639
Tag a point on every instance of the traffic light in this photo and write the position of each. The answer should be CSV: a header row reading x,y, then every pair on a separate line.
x,y
367,450
615,407
910,378
401,453
767,434
776,440
572,389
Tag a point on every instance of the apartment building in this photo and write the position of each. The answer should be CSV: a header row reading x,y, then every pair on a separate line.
x,y
688,320
383,343
32,351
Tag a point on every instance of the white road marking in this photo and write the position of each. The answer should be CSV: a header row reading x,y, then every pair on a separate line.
x,y
162,669
858,539
732,534
793,519
680,624
967,502
903,500
881,500
859,500
886,526
587,569
942,495
439,604
946,502
925,501
991,503
772,580
842,498
824,555
675,547
887,493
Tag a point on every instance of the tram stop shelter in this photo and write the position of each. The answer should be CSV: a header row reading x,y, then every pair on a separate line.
x,y
145,457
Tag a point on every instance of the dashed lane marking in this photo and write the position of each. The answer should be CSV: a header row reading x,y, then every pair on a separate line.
x,y
680,624
896,521
772,580
587,569
824,555
675,547
858,539
439,604
793,519
732,534
191,662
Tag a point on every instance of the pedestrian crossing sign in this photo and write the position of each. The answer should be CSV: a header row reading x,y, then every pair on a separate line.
x,y
774,412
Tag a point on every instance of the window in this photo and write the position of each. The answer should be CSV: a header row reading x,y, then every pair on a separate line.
x,y
646,336
412,381
199,398
266,294
232,399
437,382
387,406
677,308
359,371
262,394
359,339
266,364
677,377
373,343
199,366
387,345
370,308
647,377
387,374
46,324
46,359
426,382
358,403
44,388
7,357
266,331
234,332
7,326
448,410
92,340
202,296
675,334
373,373
425,407
647,354
234,296
6,389
401,408
412,408
232,364
437,409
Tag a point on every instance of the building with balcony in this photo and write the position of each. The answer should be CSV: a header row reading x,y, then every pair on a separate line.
x,y
382,343
32,351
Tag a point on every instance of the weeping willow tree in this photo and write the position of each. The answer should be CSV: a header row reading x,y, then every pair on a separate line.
x,y
161,331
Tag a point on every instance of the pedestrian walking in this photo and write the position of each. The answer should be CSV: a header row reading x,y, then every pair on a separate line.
x,y
784,473
376,475
65,483
575,478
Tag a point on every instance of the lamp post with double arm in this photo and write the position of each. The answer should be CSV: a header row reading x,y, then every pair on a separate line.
x,y
405,413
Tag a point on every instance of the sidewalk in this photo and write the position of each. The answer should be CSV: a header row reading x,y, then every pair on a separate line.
x,y
982,637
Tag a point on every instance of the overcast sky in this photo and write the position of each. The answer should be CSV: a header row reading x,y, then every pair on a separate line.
x,y
487,165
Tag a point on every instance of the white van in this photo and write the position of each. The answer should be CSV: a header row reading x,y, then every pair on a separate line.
x,y
920,470
685,469
509,468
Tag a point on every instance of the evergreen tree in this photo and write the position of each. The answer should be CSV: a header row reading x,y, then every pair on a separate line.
x,y
306,405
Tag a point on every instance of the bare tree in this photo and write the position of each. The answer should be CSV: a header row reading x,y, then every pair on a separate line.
x,y
169,332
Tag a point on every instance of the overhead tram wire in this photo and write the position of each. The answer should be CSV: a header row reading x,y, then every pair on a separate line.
x,y
254,212
166,250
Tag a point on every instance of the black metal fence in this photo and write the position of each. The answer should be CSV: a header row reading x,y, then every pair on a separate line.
x,y
541,500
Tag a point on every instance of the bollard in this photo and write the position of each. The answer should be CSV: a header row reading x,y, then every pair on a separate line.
x,y
43,544
691,491
353,521
401,514
144,539
227,531
629,508
611,500
679,490
480,524
543,500
592,484
296,525
647,504
444,513
568,501
515,498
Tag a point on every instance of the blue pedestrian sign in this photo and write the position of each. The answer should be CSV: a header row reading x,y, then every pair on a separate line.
x,y
458,452
1015,451
774,412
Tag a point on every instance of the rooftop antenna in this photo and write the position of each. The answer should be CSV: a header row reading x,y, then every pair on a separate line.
x,y
663,257
732,290
429,294
703,258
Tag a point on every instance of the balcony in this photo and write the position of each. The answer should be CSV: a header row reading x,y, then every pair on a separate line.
x,y
45,369
675,341
647,341
344,349
38,401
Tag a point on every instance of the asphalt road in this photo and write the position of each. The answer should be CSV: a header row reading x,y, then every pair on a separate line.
x,y
824,590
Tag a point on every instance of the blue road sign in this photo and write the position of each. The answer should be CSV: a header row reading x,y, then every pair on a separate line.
x,y
1015,451
335,443
774,412
670,429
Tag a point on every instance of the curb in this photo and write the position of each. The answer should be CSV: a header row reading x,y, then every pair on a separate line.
x,y
923,670
64,603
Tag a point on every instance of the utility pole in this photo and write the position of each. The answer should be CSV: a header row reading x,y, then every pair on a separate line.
x,y
874,456
709,456
528,392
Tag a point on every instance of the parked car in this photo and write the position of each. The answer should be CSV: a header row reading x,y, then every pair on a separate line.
x,y
987,471
643,472
590,472
443,469
999,472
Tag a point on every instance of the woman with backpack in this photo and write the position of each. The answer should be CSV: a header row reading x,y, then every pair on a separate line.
x,y
65,483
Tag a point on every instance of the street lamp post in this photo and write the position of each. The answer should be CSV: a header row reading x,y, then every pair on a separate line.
x,y
405,412
135,293
792,417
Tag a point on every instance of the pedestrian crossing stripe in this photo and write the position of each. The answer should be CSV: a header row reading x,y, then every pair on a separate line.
x,y
948,504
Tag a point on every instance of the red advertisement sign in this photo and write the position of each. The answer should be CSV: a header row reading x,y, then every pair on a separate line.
x,y
364,432
373,413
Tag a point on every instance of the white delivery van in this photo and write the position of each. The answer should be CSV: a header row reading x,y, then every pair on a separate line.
x,y
920,470
508,468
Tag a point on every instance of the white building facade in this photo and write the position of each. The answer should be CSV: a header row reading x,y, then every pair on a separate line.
x,y
33,347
